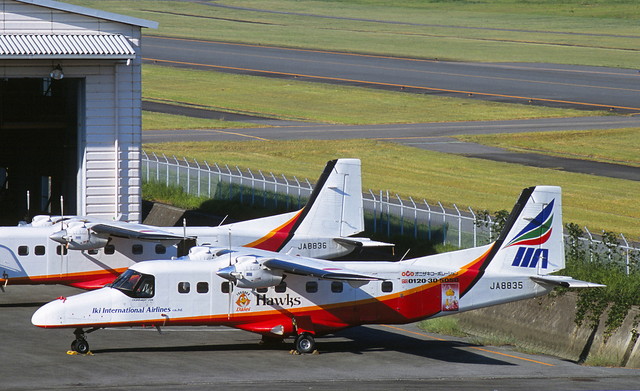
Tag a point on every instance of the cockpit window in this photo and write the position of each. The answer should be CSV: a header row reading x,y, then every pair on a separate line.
x,y
135,284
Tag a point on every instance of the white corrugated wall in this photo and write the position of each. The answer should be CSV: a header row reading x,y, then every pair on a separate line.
x,y
110,131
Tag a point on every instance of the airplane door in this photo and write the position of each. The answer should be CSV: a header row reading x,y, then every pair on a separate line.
x,y
57,260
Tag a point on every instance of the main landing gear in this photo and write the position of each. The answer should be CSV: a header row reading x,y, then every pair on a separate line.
x,y
80,344
305,343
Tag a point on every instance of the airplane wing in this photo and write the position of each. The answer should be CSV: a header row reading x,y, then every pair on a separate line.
x,y
134,231
564,281
316,268
362,242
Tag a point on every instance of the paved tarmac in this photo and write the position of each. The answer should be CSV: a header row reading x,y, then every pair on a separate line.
x,y
199,358
430,136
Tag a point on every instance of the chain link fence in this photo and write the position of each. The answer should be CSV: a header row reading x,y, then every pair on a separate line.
x,y
385,213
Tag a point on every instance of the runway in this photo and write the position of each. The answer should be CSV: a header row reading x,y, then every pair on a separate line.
x,y
546,84
196,358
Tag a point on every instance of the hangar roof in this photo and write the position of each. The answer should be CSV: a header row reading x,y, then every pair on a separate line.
x,y
76,9
86,46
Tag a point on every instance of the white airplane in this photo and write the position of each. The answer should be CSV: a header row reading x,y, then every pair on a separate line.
x,y
279,295
89,253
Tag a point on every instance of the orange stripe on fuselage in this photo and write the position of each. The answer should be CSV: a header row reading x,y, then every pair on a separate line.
x,y
274,239
401,307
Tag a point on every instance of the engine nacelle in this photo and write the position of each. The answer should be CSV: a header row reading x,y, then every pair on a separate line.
x,y
248,272
79,237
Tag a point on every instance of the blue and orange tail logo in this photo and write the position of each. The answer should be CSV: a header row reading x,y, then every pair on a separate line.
x,y
537,232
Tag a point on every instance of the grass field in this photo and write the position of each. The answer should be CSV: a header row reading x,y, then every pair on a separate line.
x,y
316,102
592,201
621,146
601,33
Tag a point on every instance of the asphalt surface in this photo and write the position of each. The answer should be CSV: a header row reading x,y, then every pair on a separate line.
x,y
379,357
547,84
544,84
431,136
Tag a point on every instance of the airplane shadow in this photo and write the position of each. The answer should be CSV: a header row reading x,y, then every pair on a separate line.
x,y
357,340
17,305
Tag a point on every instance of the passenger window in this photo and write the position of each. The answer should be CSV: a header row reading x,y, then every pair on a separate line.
x,y
312,286
281,287
226,287
93,251
39,250
387,286
62,250
202,287
23,250
184,287
336,286
262,290
109,249
136,249
160,249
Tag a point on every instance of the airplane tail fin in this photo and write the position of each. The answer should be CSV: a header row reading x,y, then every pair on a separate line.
x,y
334,210
335,206
531,241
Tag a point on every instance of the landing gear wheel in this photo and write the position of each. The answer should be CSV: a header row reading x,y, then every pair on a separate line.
x,y
80,345
305,343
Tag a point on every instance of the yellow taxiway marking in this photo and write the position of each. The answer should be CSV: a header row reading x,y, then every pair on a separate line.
x,y
472,347
470,93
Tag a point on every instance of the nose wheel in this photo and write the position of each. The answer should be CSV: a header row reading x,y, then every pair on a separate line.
x,y
80,344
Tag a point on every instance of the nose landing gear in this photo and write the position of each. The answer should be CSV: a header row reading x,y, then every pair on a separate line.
x,y
80,344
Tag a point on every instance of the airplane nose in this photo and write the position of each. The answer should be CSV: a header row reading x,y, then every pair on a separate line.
x,y
50,314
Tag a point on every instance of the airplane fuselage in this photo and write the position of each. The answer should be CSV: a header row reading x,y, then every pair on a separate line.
x,y
29,256
187,292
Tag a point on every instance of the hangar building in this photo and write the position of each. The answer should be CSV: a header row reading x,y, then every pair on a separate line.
x,y
70,111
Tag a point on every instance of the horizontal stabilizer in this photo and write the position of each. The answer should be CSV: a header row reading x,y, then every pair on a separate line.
x,y
135,231
565,281
362,242
316,268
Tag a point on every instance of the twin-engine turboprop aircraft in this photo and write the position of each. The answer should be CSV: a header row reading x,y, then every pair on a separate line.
x,y
89,253
279,295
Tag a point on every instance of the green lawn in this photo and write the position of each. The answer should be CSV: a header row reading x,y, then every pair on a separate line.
x,y
326,103
621,146
596,202
489,30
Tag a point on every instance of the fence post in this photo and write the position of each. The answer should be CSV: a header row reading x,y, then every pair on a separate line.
x,y
253,187
375,212
415,219
428,218
275,190
444,224
401,214
264,189
591,242
388,215
240,190
626,247
298,184
199,175
208,179
287,188
459,226
475,228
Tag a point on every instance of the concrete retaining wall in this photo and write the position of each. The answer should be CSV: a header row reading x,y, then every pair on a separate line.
x,y
547,325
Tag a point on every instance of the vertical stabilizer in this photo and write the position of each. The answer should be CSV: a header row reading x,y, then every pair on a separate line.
x,y
532,239
335,207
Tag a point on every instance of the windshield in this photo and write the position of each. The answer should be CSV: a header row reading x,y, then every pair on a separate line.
x,y
135,284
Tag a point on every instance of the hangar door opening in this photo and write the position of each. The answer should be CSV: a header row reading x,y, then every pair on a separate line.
x,y
39,147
